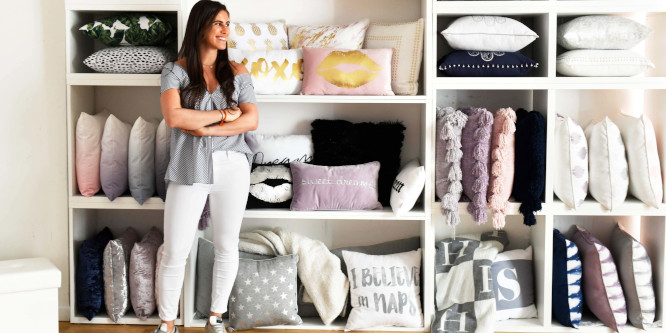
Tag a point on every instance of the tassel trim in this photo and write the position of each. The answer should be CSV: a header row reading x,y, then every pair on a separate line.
x,y
453,123
499,205
480,169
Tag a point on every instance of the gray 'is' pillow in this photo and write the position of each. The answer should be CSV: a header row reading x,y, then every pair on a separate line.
x,y
204,280
635,271
513,284
142,273
141,160
601,32
264,293
116,266
130,59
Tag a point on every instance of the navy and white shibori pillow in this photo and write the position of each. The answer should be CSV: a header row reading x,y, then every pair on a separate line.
x,y
486,63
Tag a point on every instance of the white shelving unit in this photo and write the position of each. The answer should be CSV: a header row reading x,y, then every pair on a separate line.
x,y
584,99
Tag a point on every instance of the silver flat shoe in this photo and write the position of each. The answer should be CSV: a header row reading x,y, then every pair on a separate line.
x,y
214,325
162,328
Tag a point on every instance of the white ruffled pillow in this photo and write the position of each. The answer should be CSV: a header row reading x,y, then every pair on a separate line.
x,y
602,63
643,157
488,33
571,173
609,177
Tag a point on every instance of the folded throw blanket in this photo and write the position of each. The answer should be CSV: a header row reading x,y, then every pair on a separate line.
x,y
463,284
318,269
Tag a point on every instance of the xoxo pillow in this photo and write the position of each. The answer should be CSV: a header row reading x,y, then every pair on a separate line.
x,y
347,72
346,187
277,72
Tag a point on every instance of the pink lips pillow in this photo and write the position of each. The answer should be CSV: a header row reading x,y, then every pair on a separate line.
x,y
346,72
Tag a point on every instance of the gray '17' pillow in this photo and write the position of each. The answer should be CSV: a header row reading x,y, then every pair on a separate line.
x,y
635,271
142,273
116,281
264,293
141,160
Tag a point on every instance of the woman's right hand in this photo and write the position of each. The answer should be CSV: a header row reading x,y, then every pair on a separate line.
x,y
232,114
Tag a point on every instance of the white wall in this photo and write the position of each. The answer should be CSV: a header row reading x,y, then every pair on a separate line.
x,y
33,168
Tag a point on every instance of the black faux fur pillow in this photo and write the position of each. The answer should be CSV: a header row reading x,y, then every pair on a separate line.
x,y
339,142
530,165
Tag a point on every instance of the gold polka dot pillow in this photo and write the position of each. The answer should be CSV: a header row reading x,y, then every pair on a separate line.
x,y
258,36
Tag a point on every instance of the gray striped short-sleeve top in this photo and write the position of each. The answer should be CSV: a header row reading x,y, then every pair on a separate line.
x,y
191,156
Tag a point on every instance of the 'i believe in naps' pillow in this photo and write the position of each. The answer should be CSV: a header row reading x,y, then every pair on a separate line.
x,y
384,290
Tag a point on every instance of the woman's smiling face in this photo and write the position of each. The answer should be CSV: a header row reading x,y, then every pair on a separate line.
x,y
217,34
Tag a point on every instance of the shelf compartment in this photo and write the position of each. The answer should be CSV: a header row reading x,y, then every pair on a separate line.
x,y
652,47
513,209
536,20
80,46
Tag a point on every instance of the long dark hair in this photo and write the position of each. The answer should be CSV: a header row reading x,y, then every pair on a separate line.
x,y
201,19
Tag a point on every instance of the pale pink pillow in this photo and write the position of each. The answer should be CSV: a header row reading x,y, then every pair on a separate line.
x,y
347,72
503,152
89,129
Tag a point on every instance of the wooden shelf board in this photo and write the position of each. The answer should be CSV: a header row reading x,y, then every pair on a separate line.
x,y
593,208
315,324
128,319
106,79
126,5
543,83
417,99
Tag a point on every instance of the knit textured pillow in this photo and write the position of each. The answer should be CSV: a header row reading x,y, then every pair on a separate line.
x,y
476,147
448,176
571,175
530,163
601,285
503,156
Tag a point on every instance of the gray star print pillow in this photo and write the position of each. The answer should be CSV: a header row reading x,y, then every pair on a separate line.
x,y
264,293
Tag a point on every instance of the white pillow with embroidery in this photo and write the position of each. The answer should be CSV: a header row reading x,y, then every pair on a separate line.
x,y
348,36
407,187
609,177
602,63
571,173
488,33
258,36
643,157
278,72
280,149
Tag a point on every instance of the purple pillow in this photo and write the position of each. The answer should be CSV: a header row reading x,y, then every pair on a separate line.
x,y
344,187
602,291
476,154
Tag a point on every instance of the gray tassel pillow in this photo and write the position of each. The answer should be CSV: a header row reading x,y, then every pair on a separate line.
x,y
476,155
142,273
116,266
448,175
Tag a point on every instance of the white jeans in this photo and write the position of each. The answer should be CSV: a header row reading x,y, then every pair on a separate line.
x,y
183,207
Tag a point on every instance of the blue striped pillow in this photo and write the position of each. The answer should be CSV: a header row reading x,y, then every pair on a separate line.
x,y
567,275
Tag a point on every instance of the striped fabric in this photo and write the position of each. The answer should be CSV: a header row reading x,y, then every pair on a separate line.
x,y
643,280
191,160
612,284
574,277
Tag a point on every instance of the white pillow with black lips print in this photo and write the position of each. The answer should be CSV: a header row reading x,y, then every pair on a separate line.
x,y
270,186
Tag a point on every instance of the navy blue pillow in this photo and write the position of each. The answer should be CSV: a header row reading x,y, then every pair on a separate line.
x,y
567,294
89,274
485,63
530,163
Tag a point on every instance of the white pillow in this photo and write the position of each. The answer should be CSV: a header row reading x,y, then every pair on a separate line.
x,y
513,283
278,72
348,36
407,187
89,129
113,161
601,32
488,33
406,40
602,63
643,157
609,177
280,149
571,173
162,157
380,298
130,59
141,160
258,36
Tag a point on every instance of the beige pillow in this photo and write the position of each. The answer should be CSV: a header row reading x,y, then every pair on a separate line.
x,y
406,40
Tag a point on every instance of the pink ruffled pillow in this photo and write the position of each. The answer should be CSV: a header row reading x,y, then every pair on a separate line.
x,y
502,154
347,72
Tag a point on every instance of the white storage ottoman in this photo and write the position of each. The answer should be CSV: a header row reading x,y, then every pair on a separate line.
x,y
29,295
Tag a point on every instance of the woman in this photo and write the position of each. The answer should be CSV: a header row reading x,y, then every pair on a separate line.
x,y
209,102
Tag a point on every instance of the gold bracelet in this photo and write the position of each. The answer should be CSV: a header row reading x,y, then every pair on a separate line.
x,y
224,116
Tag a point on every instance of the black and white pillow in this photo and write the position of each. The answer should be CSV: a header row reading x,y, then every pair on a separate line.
x,y
130,59
270,186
